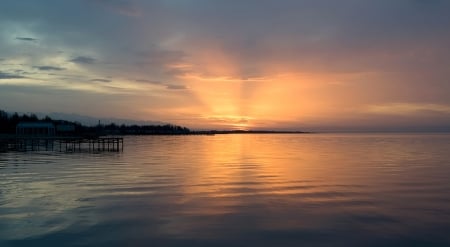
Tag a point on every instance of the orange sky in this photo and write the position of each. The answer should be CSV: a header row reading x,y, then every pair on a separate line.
x,y
298,65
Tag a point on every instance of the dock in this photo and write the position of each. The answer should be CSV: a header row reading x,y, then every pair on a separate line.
x,y
61,143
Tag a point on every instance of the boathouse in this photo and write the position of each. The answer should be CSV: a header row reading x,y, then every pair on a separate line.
x,y
35,129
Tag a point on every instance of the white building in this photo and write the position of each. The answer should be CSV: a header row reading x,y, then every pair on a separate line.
x,y
35,129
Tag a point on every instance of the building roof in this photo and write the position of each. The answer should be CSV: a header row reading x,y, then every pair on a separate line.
x,y
35,125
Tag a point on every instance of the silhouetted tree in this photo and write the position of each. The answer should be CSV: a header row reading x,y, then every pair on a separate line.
x,y
8,125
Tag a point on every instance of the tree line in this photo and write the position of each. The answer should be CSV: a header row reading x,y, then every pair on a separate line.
x,y
8,123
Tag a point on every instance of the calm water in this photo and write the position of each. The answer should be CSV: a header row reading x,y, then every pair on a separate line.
x,y
233,190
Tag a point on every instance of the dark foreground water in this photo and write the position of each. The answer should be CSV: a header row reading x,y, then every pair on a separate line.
x,y
233,190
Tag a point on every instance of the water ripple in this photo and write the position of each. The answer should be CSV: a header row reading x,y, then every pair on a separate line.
x,y
267,190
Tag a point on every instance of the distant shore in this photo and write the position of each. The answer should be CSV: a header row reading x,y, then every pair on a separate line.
x,y
220,132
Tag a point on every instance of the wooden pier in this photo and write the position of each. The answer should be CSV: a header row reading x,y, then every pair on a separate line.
x,y
61,144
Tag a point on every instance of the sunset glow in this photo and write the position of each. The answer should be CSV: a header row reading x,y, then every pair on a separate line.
x,y
370,65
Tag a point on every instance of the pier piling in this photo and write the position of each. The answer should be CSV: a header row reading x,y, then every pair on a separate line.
x,y
62,144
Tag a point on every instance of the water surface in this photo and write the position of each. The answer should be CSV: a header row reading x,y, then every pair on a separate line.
x,y
232,190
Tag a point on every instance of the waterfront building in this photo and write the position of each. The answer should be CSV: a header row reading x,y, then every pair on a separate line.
x,y
35,129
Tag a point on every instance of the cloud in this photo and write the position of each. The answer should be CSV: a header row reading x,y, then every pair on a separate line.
x,y
178,71
176,87
408,108
27,39
148,81
48,68
83,60
100,80
9,76
230,120
382,51
160,56
169,86
123,7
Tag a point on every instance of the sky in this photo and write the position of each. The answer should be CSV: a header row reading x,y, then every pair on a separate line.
x,y
218,64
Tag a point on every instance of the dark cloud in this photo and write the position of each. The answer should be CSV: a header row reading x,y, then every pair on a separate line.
x,y
176,87
83,60
9,76
27,39
148,81
166,85
48,68
100,80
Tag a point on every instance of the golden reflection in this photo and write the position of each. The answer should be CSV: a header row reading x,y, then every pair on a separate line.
x,y
230,162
